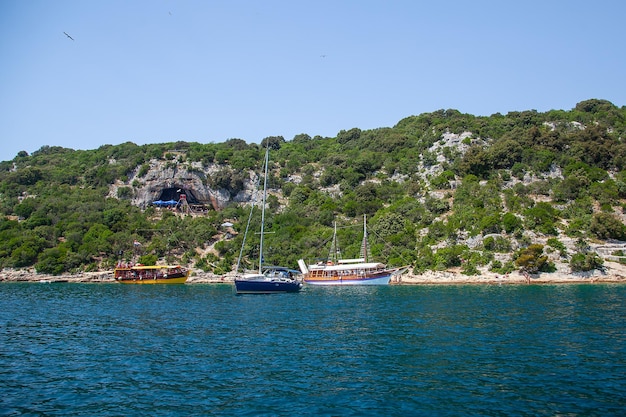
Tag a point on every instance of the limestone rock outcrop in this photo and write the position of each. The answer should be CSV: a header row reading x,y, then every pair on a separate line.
x,y
166,180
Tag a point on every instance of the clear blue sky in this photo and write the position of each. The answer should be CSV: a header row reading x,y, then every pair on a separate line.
x,y
207,71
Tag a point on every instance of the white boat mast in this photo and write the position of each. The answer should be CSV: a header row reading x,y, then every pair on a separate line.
x,y
335,252
267,153
365,249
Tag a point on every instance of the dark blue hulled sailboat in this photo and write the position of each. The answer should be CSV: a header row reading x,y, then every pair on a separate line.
x,y
269,279
274,279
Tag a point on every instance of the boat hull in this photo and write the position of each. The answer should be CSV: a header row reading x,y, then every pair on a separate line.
x,y
176,280
379,280
266,286
151,275
350,273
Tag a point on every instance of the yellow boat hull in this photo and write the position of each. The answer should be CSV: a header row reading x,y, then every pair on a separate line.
x,y
156,274
180,280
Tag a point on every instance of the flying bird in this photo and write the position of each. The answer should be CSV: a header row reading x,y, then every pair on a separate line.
x,y
68,36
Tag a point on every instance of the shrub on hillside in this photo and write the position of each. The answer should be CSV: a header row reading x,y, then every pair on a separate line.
x,y
582,262
607,226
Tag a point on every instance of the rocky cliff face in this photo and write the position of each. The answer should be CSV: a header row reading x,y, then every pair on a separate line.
x,y
166,180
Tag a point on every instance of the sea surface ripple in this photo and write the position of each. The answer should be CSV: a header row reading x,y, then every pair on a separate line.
x,y
124,350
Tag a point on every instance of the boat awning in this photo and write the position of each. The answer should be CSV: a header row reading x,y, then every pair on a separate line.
x,y
347,267
150,267
351,261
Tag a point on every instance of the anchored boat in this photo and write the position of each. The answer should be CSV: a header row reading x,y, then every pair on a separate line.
x,y
150,274
266,280
359,271
274,279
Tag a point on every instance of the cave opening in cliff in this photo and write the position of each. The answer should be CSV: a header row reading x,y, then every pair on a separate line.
x,y
174,193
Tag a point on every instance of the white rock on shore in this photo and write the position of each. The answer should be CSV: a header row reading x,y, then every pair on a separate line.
x,y
613,272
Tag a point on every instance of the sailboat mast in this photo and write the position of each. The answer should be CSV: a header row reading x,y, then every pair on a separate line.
x,y
335,253
365,247
267,153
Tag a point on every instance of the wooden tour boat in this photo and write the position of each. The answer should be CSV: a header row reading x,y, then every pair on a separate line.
x,y
337,271
150,274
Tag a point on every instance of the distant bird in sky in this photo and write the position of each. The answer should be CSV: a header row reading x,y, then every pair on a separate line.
x,y
68,36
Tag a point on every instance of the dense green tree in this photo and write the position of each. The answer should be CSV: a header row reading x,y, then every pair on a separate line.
x,y
350,135
24,255
52,261
273,142
582,262
443,180
497,244
97,240
505,153
511,222
607,226
531,259
26,208
450,256
475,162
542,217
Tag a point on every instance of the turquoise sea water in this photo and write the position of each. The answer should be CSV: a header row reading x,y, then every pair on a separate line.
x,y
186,350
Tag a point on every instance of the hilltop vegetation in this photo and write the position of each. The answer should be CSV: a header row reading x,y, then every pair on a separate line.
x,y
440,190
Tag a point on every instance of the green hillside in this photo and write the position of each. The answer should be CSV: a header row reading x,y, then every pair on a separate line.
x,y
440,190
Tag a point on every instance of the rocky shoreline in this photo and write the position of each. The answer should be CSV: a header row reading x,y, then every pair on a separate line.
x,y
489,278
613,273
